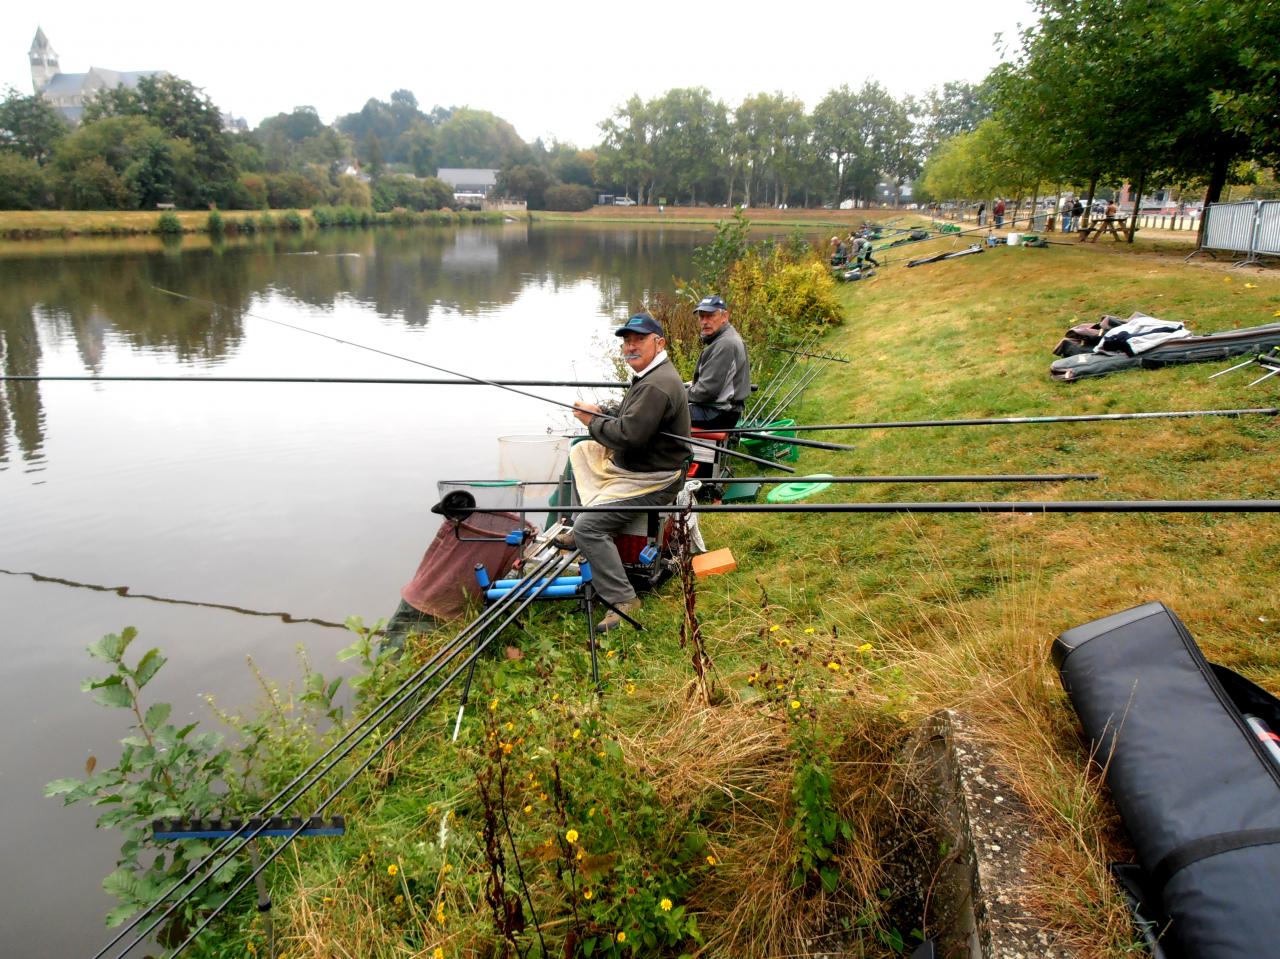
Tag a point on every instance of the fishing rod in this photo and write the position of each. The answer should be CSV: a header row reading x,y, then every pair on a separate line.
x,y
817,356
601,384
367,761
819,478
475,379
765,396
1046,506
408,689
1019,420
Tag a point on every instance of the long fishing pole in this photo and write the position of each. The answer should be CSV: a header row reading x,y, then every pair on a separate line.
x,y
409,688
1047,506
598,384
830,357
818,478
765,396
466,376
1019,420
365,763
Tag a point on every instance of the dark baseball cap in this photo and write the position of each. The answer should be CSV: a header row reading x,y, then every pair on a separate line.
x,y
711,304
640,323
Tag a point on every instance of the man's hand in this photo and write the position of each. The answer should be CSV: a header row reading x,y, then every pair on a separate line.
x,y
583,412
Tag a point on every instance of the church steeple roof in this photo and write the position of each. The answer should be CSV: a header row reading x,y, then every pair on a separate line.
x,y
40,45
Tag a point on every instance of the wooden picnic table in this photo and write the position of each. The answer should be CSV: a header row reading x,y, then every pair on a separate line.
x,y
1090,233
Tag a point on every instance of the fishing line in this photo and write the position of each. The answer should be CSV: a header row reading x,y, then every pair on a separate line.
x,y
318,379
465,376
126,593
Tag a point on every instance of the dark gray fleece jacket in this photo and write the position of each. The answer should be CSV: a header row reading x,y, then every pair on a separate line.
x,y
722,377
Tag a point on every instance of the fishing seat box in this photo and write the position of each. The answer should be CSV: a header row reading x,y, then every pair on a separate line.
x,y
1197,790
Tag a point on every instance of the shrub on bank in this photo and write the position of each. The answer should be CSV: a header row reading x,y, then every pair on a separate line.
x,y
215,224
568,198
169,224
23,185
291,220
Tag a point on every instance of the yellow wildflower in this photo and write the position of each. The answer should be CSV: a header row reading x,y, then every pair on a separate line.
x,y
864,648
711,860
1251,286
808,629
510,726
440,915
392,869
795,704
774,629
591,812
542,796
493,706
327,899
506,749
588,894
578,857
631,687
609,654
571,835
833,666
448,867
622,937
528,809
398,900
751,680
666,905
438,953
577,733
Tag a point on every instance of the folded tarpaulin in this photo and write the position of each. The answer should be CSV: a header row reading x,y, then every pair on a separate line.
x,y
1187,349
1197,789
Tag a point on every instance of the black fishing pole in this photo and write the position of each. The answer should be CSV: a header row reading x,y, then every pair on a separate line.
x,y
831,357
595,384
466,376
1020,420
907,478
408,689
366,762
1048,506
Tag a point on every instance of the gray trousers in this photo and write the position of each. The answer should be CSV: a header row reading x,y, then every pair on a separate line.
x,y
594,535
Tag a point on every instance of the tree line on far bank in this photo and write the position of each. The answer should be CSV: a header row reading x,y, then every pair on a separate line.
x,y
1101,92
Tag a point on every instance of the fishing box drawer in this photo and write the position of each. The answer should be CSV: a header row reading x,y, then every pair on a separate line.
x,y
1197,788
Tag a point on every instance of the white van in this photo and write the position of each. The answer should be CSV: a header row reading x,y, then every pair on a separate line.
x,y
623,201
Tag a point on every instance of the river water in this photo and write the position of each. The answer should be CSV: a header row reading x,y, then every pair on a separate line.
x,y
234,520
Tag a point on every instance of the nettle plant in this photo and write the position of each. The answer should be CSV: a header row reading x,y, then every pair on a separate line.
x,y
163,770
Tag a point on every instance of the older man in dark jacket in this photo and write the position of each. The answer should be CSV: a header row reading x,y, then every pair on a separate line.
x,y
722,379
637,459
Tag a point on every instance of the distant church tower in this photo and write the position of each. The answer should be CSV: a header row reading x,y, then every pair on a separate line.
x,y
44,62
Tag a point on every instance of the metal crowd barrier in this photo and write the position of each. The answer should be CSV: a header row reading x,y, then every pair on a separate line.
x,y
1251,227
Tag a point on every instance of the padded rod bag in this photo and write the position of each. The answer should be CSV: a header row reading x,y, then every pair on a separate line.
x,y
1199,794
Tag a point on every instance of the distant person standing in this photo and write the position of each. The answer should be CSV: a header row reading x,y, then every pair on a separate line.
x,y
998,211
982,214
1067,214
1077,212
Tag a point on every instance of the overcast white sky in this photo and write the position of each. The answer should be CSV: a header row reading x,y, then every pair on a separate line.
x,y
551,69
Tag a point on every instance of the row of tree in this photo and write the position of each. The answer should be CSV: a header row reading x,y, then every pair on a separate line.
x,y
1104,92
1100,93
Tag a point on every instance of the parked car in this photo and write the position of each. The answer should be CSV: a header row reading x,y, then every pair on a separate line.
x,y
623,201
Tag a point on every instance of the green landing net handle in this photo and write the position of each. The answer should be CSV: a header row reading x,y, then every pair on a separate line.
x,y
794,492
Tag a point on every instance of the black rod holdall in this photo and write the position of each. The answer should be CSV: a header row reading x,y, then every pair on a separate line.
x,y
1191,758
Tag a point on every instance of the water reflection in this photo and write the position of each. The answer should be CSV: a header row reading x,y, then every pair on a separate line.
x,y
102,302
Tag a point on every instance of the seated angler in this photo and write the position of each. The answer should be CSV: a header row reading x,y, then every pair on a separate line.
x,y
722,379
631,462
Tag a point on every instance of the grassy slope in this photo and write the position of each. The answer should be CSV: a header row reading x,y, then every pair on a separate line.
x,y
918,612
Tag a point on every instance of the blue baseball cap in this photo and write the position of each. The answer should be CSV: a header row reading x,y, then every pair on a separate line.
x,y
710,304
640,323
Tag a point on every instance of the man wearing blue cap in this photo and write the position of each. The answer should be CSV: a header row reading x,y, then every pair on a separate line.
x,y
722,378
631,462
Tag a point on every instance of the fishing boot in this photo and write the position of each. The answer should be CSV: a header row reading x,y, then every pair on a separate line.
x,y
612,620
